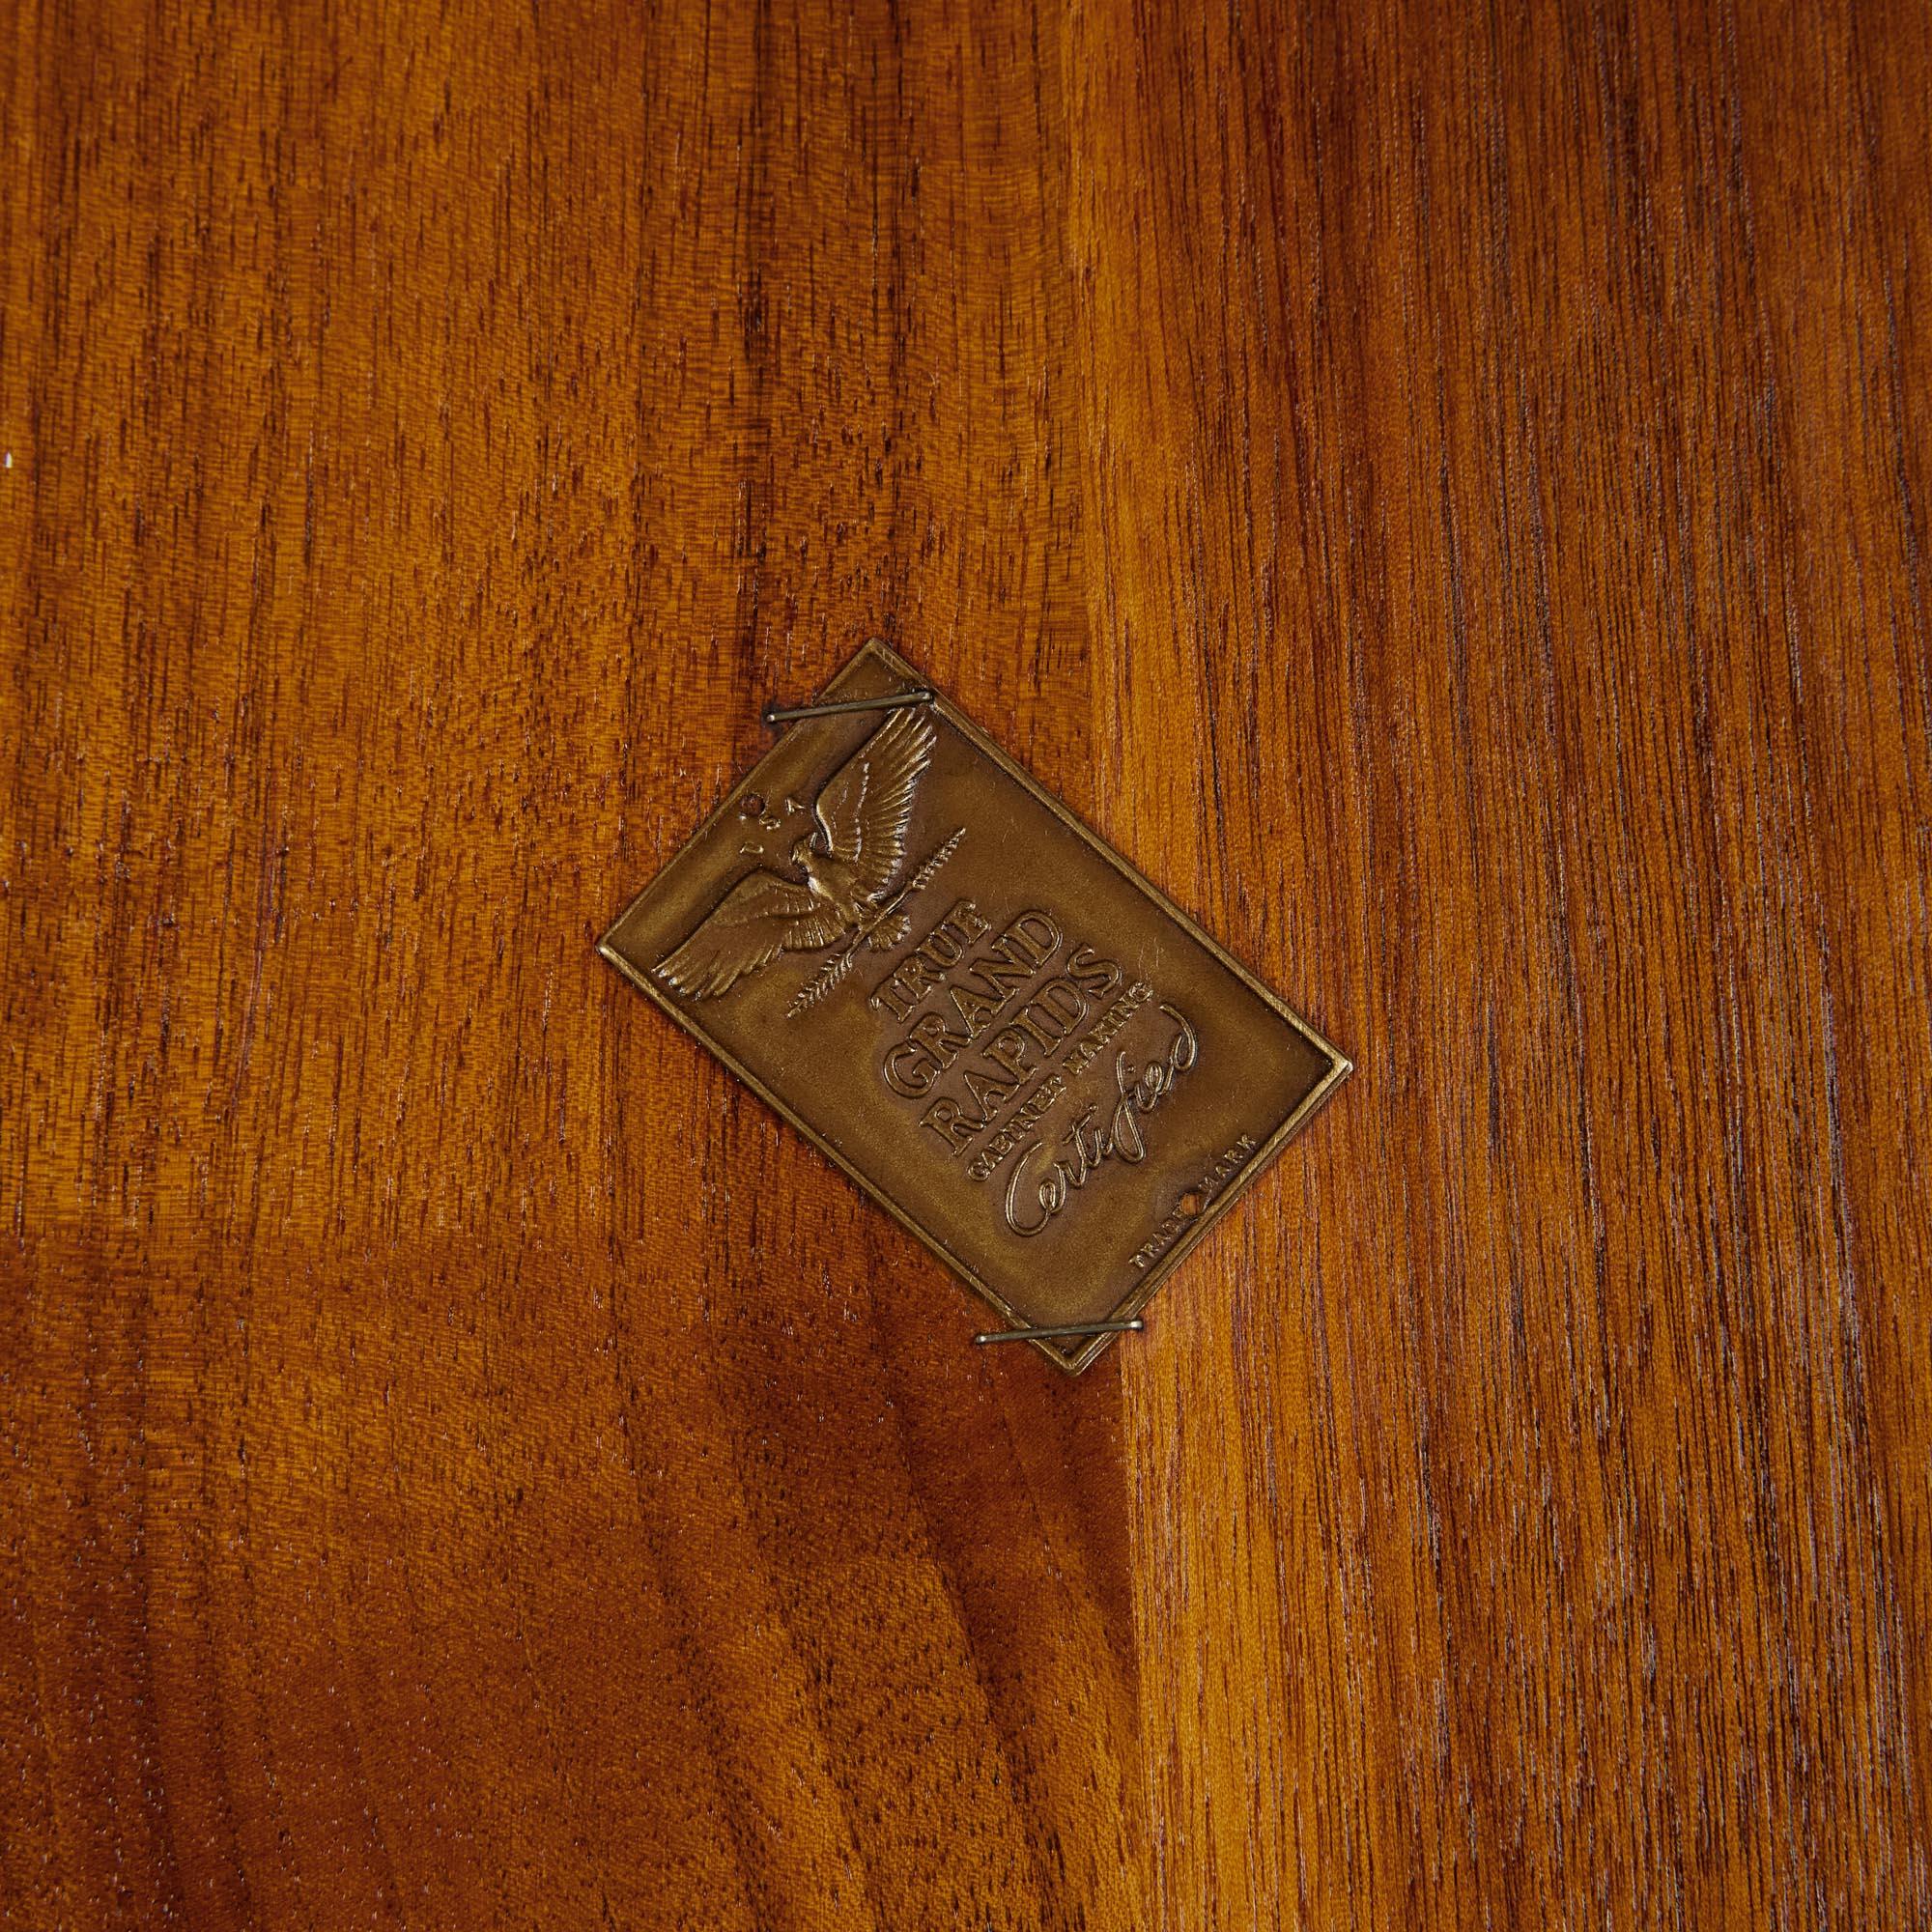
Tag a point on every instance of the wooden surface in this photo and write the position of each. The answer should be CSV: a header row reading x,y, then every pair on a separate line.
x,y
1445,490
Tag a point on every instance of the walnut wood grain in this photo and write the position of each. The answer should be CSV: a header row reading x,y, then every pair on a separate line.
x,y
1443,488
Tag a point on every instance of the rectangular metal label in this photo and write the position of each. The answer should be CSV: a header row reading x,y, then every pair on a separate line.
x,y
923,960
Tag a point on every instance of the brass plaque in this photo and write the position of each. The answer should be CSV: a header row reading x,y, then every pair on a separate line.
x,y
994,1024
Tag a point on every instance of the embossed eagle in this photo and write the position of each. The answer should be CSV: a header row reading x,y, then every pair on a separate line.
x,y
848,868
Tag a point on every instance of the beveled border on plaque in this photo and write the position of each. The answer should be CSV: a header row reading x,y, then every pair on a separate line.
x,y
1089,1349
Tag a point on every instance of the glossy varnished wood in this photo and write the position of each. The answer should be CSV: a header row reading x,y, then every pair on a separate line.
x,y
1444,489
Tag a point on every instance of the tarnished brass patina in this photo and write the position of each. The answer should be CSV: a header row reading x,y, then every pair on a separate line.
x,y
995,1025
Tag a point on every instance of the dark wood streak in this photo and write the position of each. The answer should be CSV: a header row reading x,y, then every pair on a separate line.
x,y
1443,489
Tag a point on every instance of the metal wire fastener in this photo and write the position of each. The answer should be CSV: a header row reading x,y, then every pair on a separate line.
x,y
1135,1328
893,700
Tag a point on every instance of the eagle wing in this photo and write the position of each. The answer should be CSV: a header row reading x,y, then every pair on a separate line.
x,y
750,927
867,803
